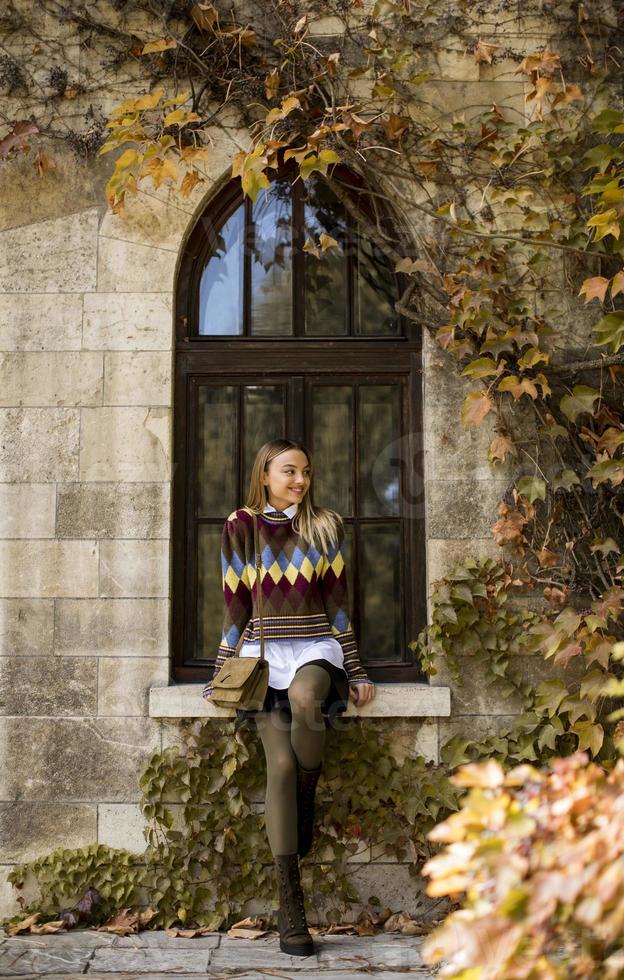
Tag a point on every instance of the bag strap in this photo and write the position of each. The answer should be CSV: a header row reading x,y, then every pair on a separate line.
x,y
259,583
258,559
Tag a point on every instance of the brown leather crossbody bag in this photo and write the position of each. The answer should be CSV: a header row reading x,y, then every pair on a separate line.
x,y
242,682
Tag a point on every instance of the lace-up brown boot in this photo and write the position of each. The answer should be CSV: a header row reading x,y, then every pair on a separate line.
x,y
291,920
306,791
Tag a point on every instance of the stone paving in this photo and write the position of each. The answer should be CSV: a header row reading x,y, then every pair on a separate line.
x,y
156,956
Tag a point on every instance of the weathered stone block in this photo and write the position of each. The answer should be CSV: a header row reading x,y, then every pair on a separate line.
x,y
26,627
40,321
124,683
51,378
411,737
443,554
156,960
480,691
138,378
128,267
28,830
445,99
58,255
48,568
134,569
112,627
74,760
48,686
27,510
19,958
463,508
39,444
112,510
120,444
476,728
127,321
121,825
452,450
147,221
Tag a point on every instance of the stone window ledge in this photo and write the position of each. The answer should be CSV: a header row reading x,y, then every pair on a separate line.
x,y
390,701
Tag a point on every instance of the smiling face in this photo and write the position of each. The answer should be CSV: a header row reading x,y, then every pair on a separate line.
x,y
287,479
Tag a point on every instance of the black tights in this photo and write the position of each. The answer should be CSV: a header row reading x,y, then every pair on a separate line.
x,y
284,743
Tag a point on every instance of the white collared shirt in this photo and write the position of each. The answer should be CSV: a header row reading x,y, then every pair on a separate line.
x,y
290,511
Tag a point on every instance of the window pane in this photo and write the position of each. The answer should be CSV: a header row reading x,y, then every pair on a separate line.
x,y
209,591
221,286
375,290
332,434
326,276
264,419
270,242
380,592
216,449
379,431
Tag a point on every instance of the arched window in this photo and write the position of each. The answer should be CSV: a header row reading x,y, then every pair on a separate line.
x,y
281,333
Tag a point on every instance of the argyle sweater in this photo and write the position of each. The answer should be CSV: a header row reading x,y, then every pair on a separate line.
x,y
304,592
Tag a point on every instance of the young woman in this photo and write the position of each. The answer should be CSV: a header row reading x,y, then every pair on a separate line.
x,y
314,666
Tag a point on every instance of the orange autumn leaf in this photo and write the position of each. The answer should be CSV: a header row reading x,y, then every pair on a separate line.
x,y
500,446
476,406
594,288
483,51
190,180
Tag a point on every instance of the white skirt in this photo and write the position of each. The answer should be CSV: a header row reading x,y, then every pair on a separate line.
x,y
285,656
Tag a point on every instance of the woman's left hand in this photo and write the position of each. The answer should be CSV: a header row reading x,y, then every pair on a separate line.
x,y
362,693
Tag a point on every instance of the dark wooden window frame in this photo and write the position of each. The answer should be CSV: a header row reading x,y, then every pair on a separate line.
x,y
240,358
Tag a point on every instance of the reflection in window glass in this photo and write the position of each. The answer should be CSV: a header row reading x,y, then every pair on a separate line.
x,y
209,591
221,286
325,277
270,241
332,426
264,418
375,291
380,592
216,449
379,429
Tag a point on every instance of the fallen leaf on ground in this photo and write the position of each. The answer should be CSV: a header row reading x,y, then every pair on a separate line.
x,y
48,927
24,926
253,927
189,933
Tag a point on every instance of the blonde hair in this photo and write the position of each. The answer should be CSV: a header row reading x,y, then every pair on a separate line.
x,y
319,526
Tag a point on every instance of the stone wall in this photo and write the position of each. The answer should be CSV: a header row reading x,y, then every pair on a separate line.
x,y
86,339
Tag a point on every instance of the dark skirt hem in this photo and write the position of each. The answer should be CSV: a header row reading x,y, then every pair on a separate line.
x,y
332,708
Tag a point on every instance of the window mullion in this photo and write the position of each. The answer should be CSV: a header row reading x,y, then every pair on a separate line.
x,y
248,239
298,260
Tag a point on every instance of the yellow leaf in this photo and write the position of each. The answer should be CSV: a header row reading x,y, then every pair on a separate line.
x,y
153,47
252,182
127,159
309,246
182,116
177,99
326,241
149,101
605,223
272,84
617,283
